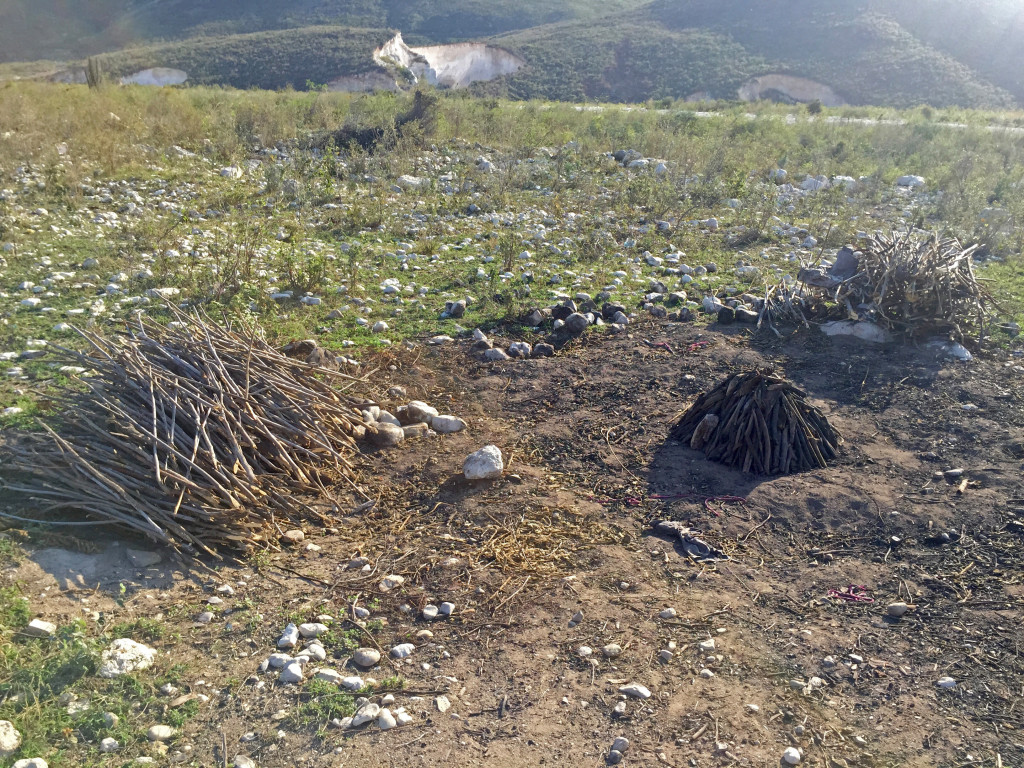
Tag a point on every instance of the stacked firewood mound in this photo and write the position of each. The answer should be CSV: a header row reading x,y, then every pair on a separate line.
x,y
194,434
759,423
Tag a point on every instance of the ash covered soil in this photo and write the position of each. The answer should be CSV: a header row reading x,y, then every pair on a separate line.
x,y
560,555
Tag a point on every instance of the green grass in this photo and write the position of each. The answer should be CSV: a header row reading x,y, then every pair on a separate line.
x,y
40,678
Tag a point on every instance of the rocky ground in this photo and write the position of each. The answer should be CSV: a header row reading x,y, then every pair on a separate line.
x,y
538,618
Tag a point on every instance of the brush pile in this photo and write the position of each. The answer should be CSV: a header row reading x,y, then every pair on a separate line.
x,y
759,423
194,434
908,285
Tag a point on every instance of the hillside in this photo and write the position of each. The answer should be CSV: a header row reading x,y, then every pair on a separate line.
x,y
625,61
34,29
270,60
901,53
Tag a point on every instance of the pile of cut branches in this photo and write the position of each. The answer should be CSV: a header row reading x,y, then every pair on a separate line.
x,y
759,423
192,433
909,285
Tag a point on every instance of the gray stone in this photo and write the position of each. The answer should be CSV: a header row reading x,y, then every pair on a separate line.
x,y
109,745
621,744
429,612
576,323
446,609
543,350
614,757
142,558
385,435
366,657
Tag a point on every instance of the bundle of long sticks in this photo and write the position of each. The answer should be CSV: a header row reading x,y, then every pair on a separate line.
x,y
192,433
909,284
759,423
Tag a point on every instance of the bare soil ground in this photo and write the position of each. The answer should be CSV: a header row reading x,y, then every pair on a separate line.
x,y
569,529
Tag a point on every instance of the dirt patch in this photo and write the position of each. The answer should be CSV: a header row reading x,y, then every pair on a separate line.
x,y
797,89
452,66
161,76
590,465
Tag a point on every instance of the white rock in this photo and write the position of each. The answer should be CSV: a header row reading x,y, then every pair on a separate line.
x,y
125,655
910,181
946,682
314,629
861,330
244,761
612,650
30,762
386,721
420,411
329,676
292,672
446,609
443,704
402,651
390,582
429,612
707,645
403,717
10,739
412,182
314,651
636,691
446,424
365,714
278,660
160,733
584,651
39,628
289,638
109,745
896,610
353,683
791,756
379,327
366,657
484,464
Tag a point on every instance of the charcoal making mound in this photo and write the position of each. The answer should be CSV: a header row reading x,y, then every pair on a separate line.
x,y
759,423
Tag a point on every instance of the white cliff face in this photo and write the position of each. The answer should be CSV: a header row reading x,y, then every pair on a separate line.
x,y
156,76
451,66
797,88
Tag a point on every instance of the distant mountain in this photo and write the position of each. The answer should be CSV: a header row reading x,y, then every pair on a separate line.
x,y
886,52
